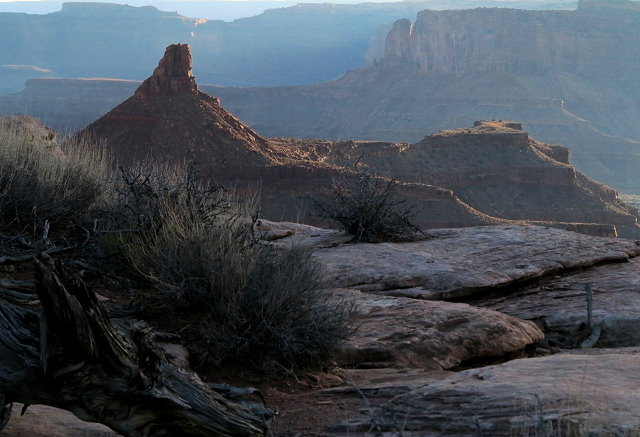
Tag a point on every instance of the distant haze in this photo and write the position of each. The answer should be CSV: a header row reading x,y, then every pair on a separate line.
x,y
208,9
234,9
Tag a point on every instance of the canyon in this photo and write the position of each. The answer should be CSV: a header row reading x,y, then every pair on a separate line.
x,y
299,44
490,173
550,70
309,43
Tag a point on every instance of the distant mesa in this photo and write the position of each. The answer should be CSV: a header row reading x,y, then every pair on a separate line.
x,y
588,5
520,42
495,168
568,75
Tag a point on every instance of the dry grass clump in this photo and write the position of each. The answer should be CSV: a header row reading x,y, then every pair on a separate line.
x,y
42,182
244,300
369,208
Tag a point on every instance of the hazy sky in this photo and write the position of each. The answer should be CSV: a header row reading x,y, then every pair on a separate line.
x,y
210,9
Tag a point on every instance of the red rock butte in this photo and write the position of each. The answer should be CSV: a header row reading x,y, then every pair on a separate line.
x,y
168,118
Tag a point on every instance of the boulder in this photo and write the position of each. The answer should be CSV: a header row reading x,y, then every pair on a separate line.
x,y
581,393
431,335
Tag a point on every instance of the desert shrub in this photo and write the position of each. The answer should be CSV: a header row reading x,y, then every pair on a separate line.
x,y
369,208
244,300
42,181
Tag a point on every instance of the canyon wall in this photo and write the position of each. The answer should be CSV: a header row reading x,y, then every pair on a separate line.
x,y
301,44
590,41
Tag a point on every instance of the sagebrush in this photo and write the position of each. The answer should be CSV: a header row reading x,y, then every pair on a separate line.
x,y
45,182
248,301
369,208
190,245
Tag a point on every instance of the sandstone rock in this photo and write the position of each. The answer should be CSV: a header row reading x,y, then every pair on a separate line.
x,y
455,263
491,173
172,75
168,118
410,333
559,306
286,233
44,421
385,383
526,42
32,130
498,169
397,44
580,96
564,394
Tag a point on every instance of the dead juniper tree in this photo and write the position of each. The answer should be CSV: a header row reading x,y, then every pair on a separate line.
x,y
59,347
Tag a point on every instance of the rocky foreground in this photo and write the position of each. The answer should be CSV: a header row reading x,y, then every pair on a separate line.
x,y
506,303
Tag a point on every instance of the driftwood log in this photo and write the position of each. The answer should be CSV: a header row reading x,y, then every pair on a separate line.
x,y
66,352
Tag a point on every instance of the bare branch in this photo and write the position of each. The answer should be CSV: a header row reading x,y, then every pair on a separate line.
x,y
71,355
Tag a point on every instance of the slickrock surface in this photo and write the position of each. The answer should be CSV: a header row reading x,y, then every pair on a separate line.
x,y
559,305
411,333
44,421
563,394
395,377
456,263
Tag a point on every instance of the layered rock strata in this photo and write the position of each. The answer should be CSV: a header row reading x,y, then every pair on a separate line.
x,y
497,168
520,42
531,273
169,118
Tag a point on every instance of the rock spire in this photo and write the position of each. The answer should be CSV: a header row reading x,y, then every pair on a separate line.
x,y
172,75
168,118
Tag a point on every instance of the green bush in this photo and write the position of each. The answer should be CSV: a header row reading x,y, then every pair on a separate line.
x,y
368,207
246,300
41,181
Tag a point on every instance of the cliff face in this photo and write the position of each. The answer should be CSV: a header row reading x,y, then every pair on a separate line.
x,y
172,76
84,40
589,117
521,42
310,42
593,107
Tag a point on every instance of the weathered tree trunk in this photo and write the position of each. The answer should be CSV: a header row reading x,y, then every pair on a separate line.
x,y
69,354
